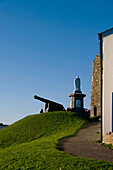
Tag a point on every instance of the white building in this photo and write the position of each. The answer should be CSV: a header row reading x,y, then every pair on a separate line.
x,y
106,54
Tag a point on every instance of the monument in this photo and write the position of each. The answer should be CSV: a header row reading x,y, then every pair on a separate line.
x,y
77,103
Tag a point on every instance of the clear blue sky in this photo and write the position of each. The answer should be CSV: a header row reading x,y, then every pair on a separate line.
x,y
44,44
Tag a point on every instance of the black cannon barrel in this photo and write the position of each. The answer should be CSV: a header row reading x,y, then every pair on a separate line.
x,y
46,100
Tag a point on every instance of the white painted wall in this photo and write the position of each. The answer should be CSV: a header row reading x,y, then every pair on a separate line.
x,y
107,83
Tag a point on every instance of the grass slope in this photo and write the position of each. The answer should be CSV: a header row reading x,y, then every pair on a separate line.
x,y
31,143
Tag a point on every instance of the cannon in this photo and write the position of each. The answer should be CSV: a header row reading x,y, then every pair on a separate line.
x,y
50,105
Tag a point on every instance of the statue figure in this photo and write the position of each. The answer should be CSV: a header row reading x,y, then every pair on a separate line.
x,y
77,83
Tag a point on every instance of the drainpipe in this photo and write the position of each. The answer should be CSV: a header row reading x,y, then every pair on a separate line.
x,y
101,67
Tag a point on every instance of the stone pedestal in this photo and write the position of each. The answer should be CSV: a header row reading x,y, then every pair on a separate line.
x,y
77,103
77,99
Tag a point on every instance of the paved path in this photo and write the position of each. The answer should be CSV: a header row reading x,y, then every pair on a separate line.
x,y
83,144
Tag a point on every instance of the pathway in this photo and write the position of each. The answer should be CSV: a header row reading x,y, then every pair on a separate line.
x,y
83,144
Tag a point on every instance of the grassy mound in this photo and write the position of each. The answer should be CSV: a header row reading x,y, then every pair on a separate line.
x,y
37,126
31,143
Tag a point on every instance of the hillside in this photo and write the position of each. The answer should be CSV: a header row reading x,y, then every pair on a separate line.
x,y
31,143
39,126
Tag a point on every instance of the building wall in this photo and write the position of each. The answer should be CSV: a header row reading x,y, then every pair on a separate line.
x,y
95,105
107,103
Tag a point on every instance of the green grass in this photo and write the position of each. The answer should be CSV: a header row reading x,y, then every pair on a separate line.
x,y
94,118
31,143
110,146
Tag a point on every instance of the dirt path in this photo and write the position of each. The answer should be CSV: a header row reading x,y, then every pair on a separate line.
x,y
83,144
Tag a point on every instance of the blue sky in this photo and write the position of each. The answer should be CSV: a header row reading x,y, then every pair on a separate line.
x,y
44,44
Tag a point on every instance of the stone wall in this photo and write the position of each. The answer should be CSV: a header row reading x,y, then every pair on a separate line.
x,y
95,105
108,138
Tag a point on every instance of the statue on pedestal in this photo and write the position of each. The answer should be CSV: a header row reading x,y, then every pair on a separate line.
x,y
77,85
77,103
